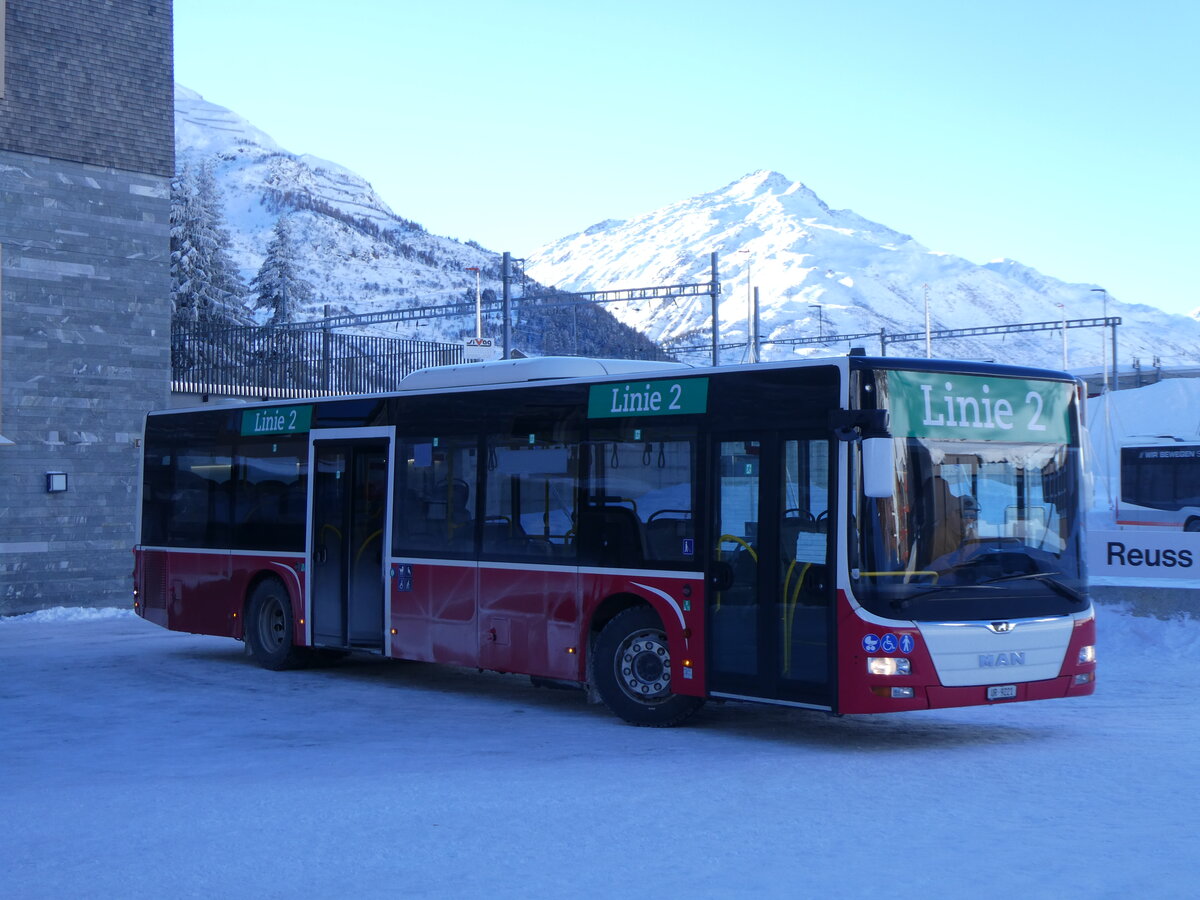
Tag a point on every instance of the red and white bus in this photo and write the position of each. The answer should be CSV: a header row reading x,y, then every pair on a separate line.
x,y
855,535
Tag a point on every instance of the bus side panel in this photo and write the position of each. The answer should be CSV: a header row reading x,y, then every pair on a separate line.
x,y
201,599
529,620
679,602
433,612
151,578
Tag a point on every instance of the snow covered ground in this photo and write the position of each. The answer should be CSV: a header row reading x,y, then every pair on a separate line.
x,y
136,762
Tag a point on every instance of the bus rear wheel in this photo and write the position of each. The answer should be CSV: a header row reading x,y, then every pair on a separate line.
x,y
1192,525
269,628
631,668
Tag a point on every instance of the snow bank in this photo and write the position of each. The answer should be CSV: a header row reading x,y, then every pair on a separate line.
x,y
68,614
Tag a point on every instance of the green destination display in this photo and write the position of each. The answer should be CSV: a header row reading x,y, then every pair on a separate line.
x,y
277,420
648,398
979,408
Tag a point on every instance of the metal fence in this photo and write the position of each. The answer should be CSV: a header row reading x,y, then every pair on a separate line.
x,y
271,362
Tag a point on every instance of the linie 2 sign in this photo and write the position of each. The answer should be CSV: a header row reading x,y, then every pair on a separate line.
x,y
277,420
979,408
648,398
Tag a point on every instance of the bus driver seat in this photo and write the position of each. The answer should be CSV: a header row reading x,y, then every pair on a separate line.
x,y
947,530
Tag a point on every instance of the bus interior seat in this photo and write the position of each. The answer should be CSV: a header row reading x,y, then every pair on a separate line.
x,y
665,535
611,535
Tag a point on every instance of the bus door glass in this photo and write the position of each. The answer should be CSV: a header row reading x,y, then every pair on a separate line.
x,y
769,596
350,494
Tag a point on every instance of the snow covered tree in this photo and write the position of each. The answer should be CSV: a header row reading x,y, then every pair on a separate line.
x,y
278,285
206,287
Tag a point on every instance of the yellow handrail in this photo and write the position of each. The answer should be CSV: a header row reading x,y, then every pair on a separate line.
x,y
737,540
365,542
902,572
789,611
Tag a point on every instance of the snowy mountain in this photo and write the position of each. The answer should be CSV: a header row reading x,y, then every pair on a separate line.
x,y
830,271
818,270
359,256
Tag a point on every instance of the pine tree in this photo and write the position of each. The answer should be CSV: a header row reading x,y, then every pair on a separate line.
x,y
185,257
206,287
278,285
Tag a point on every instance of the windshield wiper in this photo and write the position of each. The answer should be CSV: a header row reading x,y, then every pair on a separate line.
x,y
903,602
993,584
1046,577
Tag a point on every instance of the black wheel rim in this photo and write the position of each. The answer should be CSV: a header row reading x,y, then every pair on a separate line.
x,y
272,626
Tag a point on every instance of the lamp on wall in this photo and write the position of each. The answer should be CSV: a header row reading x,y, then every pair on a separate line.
x,y
56,482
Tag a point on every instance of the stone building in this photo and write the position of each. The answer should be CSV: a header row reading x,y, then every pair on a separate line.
x,y
86,157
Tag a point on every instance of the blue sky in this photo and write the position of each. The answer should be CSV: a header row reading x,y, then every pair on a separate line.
x,y
1060,134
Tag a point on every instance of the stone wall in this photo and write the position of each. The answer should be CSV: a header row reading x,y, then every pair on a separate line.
x,y
86,326
86,154
90,82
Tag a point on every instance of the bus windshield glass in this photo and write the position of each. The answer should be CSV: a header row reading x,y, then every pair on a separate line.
x,y
983,521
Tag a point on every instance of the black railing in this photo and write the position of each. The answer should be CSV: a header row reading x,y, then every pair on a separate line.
x,y
274,362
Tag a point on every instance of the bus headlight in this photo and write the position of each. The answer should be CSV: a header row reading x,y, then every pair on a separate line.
x,y
1087,654
888,665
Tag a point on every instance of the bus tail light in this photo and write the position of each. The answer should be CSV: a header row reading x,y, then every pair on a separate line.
x,y
1085,677
888,665
1087,655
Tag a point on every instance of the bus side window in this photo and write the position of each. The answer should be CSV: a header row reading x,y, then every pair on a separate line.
x,y
202,499
639,500
434,512
530,497
270,496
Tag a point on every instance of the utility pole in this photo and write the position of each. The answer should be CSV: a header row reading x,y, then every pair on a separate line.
x,y
754,322
506,305
716,320
1063,307
1104,355
928,339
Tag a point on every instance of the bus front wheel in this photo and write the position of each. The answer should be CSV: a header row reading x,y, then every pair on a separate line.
x,y
631,668
269,628
1192,525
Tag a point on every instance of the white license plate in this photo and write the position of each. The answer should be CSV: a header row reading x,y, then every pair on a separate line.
x,y
1002,692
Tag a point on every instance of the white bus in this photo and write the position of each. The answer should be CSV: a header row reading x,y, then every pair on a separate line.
x,y
1160,484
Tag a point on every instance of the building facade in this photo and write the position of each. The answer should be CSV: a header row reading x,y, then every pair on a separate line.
x,y
86,158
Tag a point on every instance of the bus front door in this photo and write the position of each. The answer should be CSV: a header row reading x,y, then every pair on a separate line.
x,y
347,549
770,595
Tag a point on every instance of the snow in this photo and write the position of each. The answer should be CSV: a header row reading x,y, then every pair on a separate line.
x,y
139,762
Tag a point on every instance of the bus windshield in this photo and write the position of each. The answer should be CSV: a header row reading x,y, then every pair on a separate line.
x,y
975,527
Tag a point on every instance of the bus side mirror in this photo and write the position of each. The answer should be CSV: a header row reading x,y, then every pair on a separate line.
x,y
878,462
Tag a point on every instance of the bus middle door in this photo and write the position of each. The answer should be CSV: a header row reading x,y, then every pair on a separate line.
x,y
349,533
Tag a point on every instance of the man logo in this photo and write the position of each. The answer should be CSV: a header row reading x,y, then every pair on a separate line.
x,y
1000,660
1001,627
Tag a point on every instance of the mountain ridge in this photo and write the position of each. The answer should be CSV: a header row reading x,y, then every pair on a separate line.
x,y
820,269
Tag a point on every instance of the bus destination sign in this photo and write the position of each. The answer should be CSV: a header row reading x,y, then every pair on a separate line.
x,y
648,398
277,420
976,408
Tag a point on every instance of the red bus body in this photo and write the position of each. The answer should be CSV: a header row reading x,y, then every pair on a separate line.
x,y
546,619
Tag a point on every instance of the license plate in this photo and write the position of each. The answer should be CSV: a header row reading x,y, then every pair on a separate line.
x,y
1002,692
